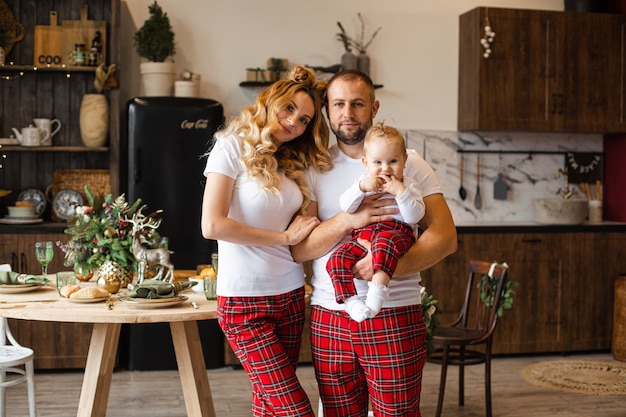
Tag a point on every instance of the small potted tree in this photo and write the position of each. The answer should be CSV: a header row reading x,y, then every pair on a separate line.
x,y
154,41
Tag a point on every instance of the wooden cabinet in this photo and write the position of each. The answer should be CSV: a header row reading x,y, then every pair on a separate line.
x,y
591,263
27,92
56,345
547,71
50,341
18,250
566,282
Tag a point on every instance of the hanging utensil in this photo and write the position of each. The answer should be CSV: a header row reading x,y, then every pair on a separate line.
x,y
462,190
478,201
500,187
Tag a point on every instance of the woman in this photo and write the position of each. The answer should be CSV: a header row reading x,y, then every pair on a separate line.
x,y
254,198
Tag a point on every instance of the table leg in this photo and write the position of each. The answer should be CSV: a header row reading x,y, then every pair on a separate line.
x,y
94,394
192,369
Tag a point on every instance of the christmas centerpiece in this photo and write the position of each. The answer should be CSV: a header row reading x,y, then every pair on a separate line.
x,y
102,240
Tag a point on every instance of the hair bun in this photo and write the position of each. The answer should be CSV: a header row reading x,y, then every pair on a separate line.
x,y
302,75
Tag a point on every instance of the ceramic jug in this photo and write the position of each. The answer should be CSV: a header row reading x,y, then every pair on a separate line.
x,y
30,136
52,126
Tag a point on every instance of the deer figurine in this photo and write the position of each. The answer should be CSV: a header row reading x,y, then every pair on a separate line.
x,y
145,256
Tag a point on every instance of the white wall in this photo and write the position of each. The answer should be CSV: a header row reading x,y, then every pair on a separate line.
x,y
415,55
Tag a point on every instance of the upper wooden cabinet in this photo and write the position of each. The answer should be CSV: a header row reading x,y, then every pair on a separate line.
x,y
547,71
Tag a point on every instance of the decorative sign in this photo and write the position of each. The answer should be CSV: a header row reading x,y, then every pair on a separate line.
x,y
584,166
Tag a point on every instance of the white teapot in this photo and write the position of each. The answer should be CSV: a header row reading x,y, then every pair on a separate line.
x,y
31,135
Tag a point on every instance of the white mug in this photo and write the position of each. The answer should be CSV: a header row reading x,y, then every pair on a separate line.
x,y
47,126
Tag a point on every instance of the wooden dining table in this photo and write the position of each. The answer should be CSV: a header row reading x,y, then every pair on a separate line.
x,y
45,304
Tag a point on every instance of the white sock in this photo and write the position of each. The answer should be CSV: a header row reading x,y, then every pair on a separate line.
x,y
356,308
376,296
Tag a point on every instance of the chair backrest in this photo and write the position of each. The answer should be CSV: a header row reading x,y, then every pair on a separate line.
x,y
483,295
5,331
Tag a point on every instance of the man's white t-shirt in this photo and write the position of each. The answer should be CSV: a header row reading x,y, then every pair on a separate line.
x,y
255,270
326,188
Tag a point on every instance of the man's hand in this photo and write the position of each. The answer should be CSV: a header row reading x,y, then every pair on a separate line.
x,y
373,209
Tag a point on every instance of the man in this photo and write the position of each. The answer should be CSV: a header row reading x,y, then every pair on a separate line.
x,y
384,355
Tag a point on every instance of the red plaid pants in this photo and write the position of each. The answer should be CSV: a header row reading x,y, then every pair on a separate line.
x,y
381,359
265,334
390,240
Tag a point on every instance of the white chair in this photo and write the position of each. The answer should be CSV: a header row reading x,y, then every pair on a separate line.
x,y
12,357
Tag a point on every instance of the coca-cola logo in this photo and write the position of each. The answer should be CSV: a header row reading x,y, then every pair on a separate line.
x,y
198,124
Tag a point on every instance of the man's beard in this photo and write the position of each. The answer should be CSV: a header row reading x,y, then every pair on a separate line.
x,y
353,139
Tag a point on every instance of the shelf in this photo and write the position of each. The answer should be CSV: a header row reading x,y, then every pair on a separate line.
x,y
16,148
260,84
9,68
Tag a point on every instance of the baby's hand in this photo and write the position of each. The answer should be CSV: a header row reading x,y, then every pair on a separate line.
x,y
372,184
392,185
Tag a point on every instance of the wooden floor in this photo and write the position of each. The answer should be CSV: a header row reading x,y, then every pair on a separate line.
x,y
158,393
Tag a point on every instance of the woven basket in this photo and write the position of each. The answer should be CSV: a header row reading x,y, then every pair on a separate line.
x,y
75,179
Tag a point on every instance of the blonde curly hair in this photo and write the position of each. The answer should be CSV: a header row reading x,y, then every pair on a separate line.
x,y
254,125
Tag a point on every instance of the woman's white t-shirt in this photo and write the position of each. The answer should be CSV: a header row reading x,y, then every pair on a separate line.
x,y
254,270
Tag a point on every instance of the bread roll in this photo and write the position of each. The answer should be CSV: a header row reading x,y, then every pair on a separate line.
x,y
90,292
68,290
24,203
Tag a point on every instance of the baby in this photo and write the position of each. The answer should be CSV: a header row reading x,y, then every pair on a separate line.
x,y
384,157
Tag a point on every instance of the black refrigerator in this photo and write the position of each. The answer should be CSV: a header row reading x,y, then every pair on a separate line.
x,y
166,139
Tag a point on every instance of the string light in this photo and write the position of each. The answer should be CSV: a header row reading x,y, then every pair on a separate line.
x,y
487,40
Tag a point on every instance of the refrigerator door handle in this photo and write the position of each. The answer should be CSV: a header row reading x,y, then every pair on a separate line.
x,y
137,170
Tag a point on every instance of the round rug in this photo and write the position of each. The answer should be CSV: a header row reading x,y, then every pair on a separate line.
x,y
582,377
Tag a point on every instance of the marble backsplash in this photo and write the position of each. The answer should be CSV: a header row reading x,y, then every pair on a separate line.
x,y
528,175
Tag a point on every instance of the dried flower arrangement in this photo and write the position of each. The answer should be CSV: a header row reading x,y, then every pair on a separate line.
x,y
360,45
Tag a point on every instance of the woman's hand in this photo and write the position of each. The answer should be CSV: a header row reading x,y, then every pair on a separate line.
x,y
300,228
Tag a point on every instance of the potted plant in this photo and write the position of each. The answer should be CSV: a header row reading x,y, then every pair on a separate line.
x,y
154,41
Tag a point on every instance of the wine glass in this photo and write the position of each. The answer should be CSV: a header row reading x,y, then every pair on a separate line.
x,y
44,251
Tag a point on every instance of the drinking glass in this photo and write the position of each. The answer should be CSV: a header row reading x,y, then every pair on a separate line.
x,y
44,251
65,278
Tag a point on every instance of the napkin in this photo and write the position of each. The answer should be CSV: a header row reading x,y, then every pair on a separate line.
x,y
11,277
154,288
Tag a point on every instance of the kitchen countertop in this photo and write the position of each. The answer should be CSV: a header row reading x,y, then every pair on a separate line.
x,y
534,227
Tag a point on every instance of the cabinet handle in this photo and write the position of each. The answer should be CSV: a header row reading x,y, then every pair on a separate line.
x,y
561,101
553,103
22,262
532,240
14,264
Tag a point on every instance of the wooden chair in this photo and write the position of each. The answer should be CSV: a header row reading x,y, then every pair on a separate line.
x,y
12,357
474,326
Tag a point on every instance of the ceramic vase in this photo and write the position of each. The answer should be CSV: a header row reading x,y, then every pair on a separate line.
x,y
94,120
363,63
157,78
348,61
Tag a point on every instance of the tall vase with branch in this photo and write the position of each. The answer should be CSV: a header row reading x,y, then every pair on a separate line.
x,y
94,109
363,60
348,59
